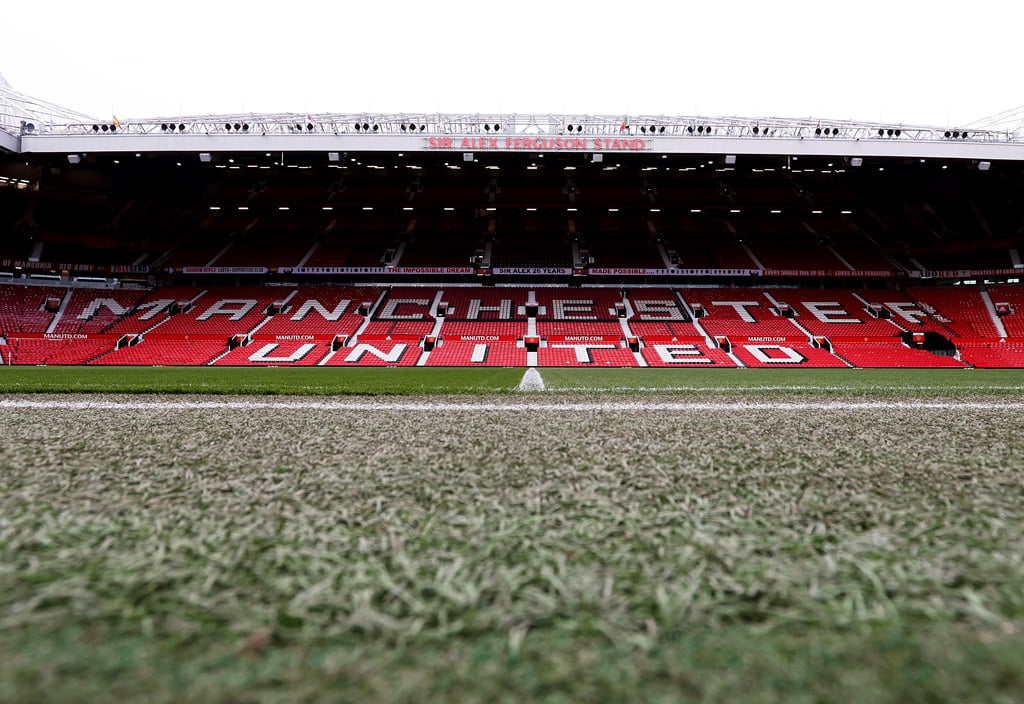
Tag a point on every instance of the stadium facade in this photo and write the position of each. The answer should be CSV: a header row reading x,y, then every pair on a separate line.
x,y
512,240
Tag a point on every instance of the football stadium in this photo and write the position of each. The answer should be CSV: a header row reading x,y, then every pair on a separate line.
x,y
501,407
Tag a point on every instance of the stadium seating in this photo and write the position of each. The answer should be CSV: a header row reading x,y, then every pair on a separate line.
x,y
377,353
741,314
262,353
319,310
962,310
471,354
23,308
404,313
577,326
578,313
585,354
992,354
787,354
53,351
169,352
1013,320
685,354
890,354
96,310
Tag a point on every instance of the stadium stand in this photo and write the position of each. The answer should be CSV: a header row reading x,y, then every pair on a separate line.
x,y
1009,300
685,354
29,308
319,310
169,352
442,258
403,313
741,313
890,354
921,327
54,350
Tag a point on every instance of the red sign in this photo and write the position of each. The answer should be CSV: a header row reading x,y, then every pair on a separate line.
x,y
539,144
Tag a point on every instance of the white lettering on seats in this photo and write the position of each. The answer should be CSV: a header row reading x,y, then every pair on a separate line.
x,y
741,309
362,348
583,355
97,303
789,355
828,316
222,307
390,311
562,310
681,354
156,308
657,310
476,307
263,354
312,304
908,311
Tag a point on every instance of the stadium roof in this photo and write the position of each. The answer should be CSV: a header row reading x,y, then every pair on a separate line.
x,y
30,125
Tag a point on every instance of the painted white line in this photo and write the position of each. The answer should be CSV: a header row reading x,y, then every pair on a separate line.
x,y
794,387
532,381
513,405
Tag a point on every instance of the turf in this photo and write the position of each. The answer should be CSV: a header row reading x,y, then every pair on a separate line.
x,y
447,380
262,554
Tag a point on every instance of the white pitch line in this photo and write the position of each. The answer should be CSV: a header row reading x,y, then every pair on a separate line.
x,y
532,381
759,389
517,405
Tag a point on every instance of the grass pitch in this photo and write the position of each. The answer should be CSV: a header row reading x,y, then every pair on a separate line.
x,y
334,381
452,554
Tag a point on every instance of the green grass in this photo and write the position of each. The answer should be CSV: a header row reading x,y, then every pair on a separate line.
x,y
437,380
261,554
256,380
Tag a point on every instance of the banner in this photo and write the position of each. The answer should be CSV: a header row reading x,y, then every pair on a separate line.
x,y
686,340
224,270
404,337
528,270
405,270
603,271
583,338
479,338
258,337
767,338
839,273
960,273
57,336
